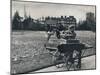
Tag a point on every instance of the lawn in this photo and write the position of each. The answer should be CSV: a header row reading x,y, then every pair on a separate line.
x,y
28,52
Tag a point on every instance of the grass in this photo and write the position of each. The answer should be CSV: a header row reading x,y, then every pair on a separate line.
x,y
28,52
89,38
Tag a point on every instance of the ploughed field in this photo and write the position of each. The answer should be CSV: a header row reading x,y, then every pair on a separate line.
x,y
28,52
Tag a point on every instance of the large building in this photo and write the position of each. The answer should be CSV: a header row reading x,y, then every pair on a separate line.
x,y
60,21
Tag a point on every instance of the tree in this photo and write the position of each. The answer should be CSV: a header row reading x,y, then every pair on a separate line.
x,y
16,22
88,24
83,26
91,22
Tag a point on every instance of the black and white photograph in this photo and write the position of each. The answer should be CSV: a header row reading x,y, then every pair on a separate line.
x,y
52,37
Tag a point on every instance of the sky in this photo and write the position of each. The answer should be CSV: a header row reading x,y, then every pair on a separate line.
x,y
38,9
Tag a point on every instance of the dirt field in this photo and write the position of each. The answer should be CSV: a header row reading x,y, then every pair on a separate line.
x,y
27,49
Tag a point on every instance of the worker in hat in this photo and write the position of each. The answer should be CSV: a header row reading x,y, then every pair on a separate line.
x,y
70,33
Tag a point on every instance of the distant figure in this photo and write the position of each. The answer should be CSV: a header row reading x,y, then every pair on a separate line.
x,y
49,34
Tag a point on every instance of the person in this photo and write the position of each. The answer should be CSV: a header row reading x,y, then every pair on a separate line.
x,y
67,35
49,34
70,33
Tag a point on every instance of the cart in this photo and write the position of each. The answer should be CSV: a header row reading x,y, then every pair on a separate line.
x,y
69,53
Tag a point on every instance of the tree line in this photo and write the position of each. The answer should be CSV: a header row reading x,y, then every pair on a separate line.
x,y
18,23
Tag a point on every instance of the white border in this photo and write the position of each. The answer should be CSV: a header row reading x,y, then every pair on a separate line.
x,y
5,36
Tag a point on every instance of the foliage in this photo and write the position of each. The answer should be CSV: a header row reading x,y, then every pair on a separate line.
x,y
88,24
19,23
16,21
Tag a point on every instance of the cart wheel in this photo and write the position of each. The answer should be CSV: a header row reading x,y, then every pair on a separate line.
x,y
67,63
79,59
73,61
71,65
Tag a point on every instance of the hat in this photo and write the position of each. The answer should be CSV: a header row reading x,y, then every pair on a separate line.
x,y
71,26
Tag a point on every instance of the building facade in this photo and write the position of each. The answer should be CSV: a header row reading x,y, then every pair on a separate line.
x,y
60,21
